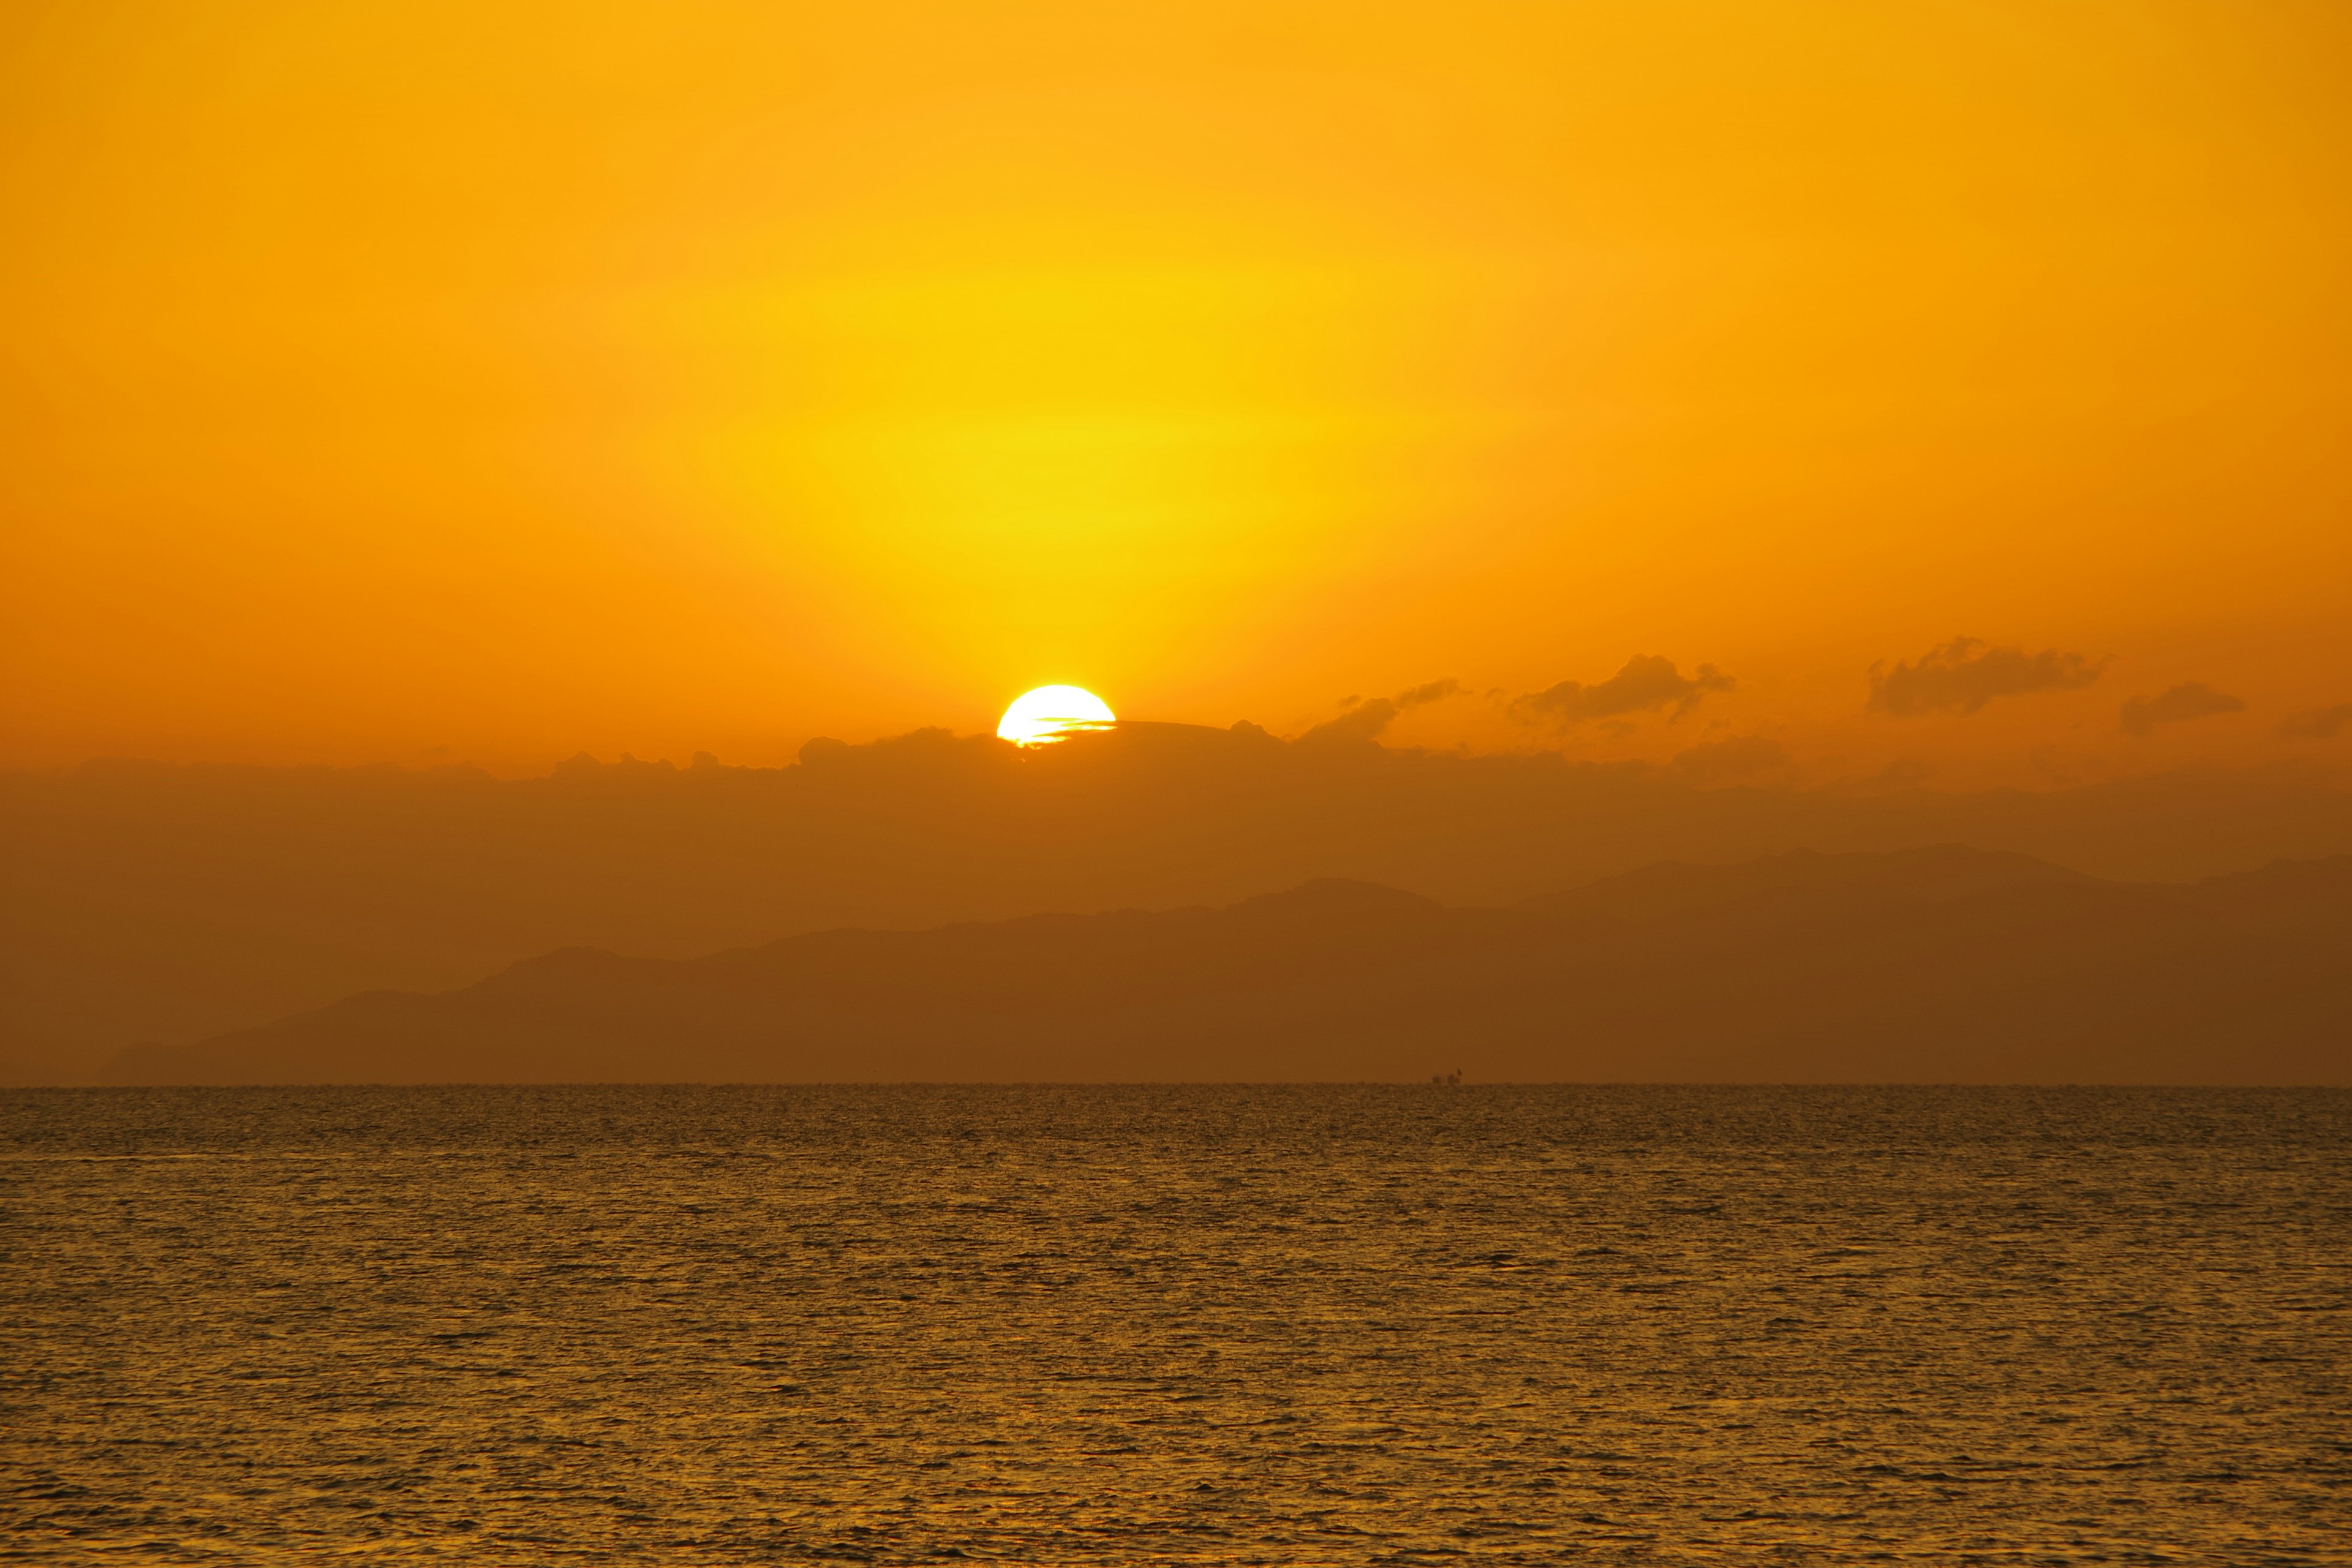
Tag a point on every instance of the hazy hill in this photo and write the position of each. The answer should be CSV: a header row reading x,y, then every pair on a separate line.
x,y
146,903
1669,887
1944,965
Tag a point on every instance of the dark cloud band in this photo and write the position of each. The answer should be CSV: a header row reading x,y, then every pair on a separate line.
x,y
1965,673
1647,682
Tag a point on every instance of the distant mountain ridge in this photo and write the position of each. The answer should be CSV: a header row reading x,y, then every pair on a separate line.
x,y
1938,872
152,901
1942,964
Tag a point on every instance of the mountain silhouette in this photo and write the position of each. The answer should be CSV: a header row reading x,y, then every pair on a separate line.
x,y
147,901
1943,964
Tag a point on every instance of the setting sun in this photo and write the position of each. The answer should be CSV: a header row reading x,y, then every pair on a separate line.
x,y
1040,717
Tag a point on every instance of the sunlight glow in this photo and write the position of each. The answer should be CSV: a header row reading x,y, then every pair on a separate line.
x,y
1040,717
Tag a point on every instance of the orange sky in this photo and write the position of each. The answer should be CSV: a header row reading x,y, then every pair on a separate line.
x,y
429,383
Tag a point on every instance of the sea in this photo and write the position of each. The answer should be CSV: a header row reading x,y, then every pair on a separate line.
x,y
1312,1325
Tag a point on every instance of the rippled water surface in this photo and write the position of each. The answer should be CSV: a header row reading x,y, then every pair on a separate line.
x,y
1133,1325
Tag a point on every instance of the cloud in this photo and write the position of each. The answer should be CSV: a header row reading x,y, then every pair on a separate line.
x,y
1436,691
1738,756
1647,682
1965,674
1363,721
2190,700
2317,723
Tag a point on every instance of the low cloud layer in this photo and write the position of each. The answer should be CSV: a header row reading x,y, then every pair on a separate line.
x,y
2190,700
1646,683
1733,757
1965,673
1364,721
2317,723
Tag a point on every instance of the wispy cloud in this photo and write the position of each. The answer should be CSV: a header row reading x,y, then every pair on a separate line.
x,y
2190,700
1965,673
1647,682
1363,721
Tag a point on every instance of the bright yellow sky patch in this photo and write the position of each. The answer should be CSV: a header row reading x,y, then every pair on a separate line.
x,y
410,381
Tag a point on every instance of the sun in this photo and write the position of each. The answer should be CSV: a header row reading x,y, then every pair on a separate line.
x,y
1043,716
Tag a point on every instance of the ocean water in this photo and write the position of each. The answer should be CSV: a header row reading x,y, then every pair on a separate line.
x,y
1077,1325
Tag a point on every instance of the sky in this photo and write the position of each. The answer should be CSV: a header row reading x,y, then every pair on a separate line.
x,y
1814,391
